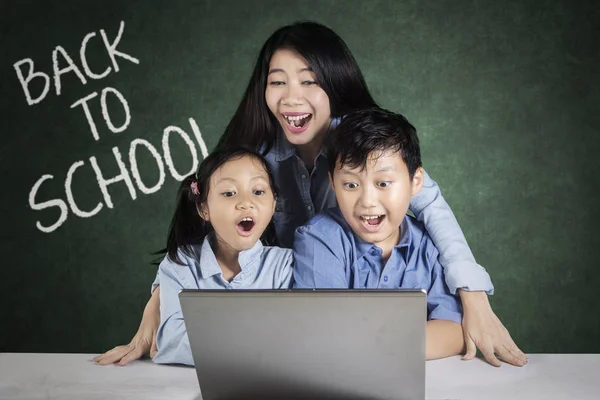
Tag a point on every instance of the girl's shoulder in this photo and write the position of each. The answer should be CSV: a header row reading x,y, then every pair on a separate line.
x,y
276,255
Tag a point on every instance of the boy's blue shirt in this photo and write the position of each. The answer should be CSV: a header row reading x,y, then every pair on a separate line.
x,y
329,255
262,267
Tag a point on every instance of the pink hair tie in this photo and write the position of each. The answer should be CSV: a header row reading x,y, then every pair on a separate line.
x,y
194,186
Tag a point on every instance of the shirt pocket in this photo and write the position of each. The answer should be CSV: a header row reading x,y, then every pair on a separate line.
x,y
285,221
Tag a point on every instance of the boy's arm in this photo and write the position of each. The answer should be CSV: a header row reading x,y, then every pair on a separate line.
x,y
443,338
444,334
172,340
315,262
462,272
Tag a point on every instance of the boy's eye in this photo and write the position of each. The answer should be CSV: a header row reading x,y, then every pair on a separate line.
x,y
384,184
259,192
351,185
228,194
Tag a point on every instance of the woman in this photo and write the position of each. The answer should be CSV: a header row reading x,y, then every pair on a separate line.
x,y
304,81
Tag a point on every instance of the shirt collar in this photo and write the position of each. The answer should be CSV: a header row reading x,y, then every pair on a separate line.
x,y
283,149
209,266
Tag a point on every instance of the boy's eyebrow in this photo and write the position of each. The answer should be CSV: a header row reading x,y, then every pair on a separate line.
x,y
346,171
386,169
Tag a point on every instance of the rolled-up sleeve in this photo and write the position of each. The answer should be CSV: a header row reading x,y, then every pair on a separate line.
x,y
172,339
460,268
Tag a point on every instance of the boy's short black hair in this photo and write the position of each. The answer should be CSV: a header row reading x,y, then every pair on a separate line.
x,y
375,129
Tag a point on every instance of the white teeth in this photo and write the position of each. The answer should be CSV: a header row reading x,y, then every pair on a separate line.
x,y
246,219
295,117
367,217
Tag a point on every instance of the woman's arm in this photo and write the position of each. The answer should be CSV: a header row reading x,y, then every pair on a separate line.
x,y
460,268
144,340
481,327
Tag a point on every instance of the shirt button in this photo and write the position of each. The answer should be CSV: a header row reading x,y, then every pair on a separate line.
x,y
385,278
303,176
309,208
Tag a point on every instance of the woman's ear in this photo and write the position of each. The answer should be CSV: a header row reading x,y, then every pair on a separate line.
x,y
417,181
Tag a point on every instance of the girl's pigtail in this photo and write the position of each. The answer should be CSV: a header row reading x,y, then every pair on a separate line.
x,y
187,227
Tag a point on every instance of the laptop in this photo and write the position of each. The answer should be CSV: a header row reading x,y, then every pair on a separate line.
x,y
307,344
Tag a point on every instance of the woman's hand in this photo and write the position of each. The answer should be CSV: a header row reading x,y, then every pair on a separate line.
x,y
144,340
482,329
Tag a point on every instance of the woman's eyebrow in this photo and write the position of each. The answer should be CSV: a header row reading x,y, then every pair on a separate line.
x,y
303,69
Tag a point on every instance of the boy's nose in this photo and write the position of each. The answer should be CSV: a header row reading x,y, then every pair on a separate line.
x,y
368,198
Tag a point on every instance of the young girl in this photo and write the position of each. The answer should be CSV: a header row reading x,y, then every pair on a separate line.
x,y
214,242
304,81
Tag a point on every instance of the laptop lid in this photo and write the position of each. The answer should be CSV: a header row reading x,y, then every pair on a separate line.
x,y
307,344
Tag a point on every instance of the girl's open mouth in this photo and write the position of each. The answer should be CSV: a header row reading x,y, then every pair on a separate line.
x,y
297,123
246,226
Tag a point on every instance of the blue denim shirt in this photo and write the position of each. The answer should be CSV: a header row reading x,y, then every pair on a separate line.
x,y
262,268
303,194
329,255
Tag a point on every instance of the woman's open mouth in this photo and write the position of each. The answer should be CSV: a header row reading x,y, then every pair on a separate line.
x,y
297,123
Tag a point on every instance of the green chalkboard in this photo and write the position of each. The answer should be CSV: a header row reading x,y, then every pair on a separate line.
x,y
105,104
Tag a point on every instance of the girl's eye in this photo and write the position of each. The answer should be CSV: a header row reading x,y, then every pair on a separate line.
x,y
276,83
259,192
309,83
228,194
351,185
384,184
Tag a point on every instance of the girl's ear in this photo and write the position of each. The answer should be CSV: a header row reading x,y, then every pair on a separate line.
x,y
417,181
203,212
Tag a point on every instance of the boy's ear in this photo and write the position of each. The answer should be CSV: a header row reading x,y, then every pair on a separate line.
x,y
203,212
417,181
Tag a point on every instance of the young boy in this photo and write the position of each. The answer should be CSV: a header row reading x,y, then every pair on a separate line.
x,y
368,241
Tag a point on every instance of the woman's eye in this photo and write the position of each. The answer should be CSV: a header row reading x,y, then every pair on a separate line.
x,y
228,194
309,82
384,184
276,83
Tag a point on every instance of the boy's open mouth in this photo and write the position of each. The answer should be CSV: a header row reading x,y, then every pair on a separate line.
x,y
297,121
245,226
371,223
372,219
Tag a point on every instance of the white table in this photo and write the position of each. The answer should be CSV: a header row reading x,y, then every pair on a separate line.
x,y
77,377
